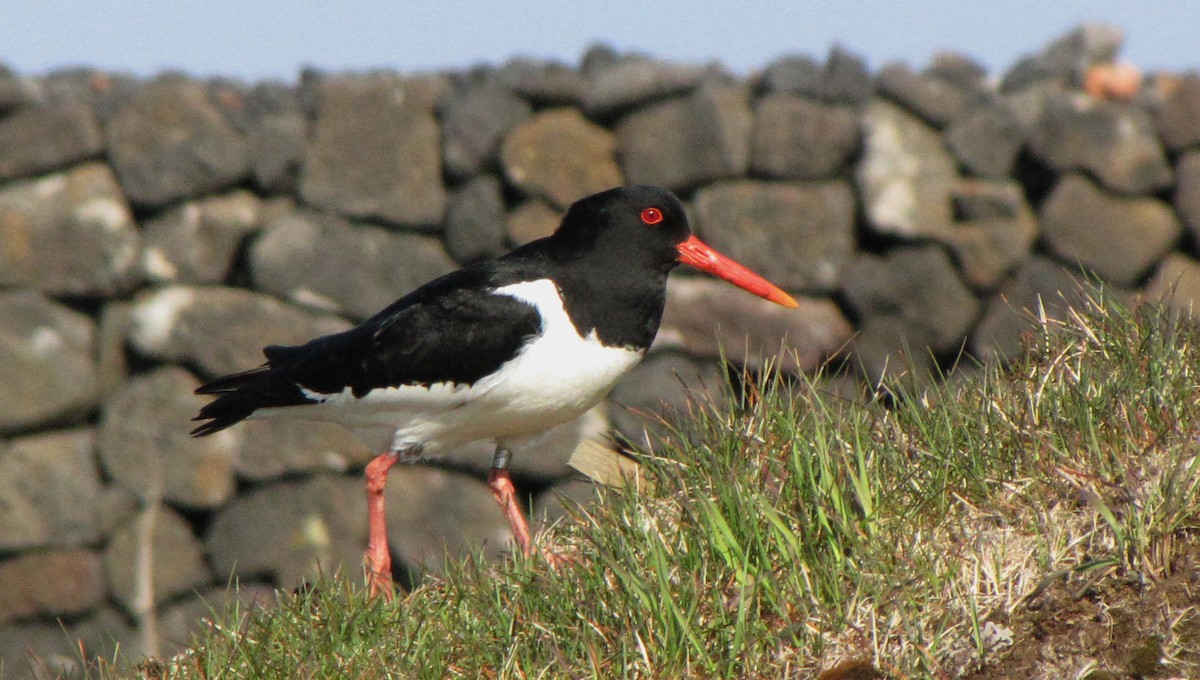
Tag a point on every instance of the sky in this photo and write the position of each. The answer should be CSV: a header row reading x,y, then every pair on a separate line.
x,y
258,40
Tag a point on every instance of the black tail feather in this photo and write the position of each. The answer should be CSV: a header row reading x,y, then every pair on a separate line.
x,y
241,394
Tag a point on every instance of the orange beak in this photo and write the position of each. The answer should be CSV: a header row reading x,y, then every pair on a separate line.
x,y
694,252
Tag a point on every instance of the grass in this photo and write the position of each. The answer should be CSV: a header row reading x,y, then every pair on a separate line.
x,y
791,531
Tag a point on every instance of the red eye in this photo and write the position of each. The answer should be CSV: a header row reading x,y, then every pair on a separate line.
x,y
652,216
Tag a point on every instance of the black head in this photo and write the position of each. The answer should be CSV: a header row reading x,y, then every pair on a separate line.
x,y
632,226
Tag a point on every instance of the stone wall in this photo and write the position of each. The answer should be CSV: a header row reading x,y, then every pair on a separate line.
x,y
156,233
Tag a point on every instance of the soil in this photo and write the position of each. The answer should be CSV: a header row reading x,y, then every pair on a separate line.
x,y
1107,629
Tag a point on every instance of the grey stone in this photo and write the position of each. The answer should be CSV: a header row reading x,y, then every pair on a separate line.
x,y
986,140
1176,283
219,330
104,92
38,651
48,375
793,74
795,138
277,143
179,623
176,558
959,70
270,449
683,143
1118,238
103,633
68,234
889,350
145,447
1178,117
563,501
530,221
14,92
560,156
1114,141
797,236
1187,192
711,318
291,532
845,79
1039,286
112,363
324,261
905,176
198,241
914,298
170,142
935,101
38,139
996,231
473,124
116,507
435,515
376,150
546,83
50,583
49,491
1066,59
636,81
661,392
475,220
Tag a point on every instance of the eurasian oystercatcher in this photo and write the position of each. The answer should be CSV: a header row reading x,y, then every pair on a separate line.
x,y
500,350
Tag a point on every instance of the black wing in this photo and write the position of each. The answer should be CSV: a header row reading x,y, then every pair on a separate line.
x,y
450,330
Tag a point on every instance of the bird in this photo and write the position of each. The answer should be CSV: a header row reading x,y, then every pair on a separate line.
x,y
501,350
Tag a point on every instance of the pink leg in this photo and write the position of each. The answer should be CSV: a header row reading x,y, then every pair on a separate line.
x,y
506,495
378,558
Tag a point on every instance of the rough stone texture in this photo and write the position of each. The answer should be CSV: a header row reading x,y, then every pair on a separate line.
x,y
170,142
796,236
323,261
906,175
68,234
546,83
682,143
198,241
48,375
1187,192
219,330
795,138
1118,238
376,150
710,318
661,390
36,140
1176,283
37,651
1040,284
475,220
1178,118
112,361
986,140
49,492
996,231
1113,141
473,124
636,81
958,69
1066,59
292,531
145,447
560,156
178,565
937,102
842,79
179,622
50,583
14,92
911,298
424,506
269,449
277,144
530,221
104,632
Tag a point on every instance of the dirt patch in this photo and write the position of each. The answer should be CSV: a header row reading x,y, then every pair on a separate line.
x,y
1103,627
